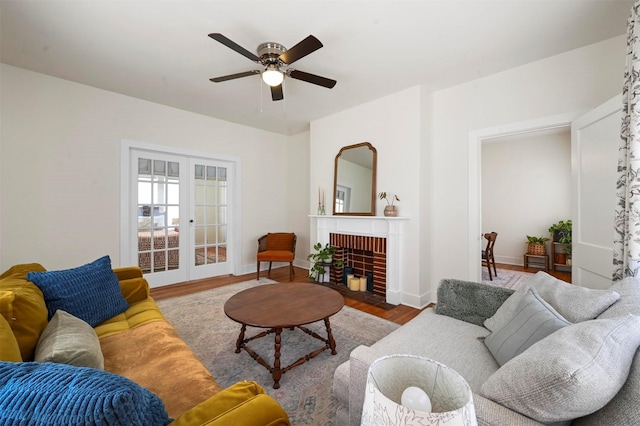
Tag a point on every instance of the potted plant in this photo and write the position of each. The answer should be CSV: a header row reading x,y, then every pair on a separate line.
x,y
390,209
561,232
536,245
321,260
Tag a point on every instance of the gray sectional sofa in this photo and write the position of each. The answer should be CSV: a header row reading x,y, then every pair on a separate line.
x,y
548,353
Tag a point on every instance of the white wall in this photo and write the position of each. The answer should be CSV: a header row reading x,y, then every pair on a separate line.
x,y
393,126
297,219
60,146
526,187
574,81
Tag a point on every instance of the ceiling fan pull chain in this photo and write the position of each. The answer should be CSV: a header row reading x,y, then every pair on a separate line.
x,y
260,89
284,104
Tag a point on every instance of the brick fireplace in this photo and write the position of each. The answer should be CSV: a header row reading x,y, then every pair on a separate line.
x,y
372,244
366,255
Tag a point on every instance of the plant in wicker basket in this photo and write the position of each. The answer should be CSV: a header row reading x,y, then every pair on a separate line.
x,y
536,245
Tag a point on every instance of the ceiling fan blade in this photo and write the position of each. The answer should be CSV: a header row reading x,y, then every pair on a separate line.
x,y
234,76
312,78
276,93
234,46
300,50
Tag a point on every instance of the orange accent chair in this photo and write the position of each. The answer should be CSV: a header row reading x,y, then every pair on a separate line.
x,y
487,254
277,247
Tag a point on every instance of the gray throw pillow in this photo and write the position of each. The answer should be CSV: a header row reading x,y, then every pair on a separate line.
x,y
533,320
573,302
573,372
629,302
623,408
69,340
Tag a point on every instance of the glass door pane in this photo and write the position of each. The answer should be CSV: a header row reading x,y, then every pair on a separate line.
x,y
158,205
210,221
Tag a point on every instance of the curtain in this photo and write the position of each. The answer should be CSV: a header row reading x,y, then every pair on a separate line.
x,y
626,247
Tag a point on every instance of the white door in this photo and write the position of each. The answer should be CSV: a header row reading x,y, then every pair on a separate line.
x,y
178,214
595,138
156,213
211,204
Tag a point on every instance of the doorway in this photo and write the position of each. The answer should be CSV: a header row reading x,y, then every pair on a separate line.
x,y
476,139
526,187
178,213
595,139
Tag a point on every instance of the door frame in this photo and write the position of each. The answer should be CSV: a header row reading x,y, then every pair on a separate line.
x,y
474,213
126,145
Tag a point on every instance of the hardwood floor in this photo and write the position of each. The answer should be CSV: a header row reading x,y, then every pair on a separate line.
x,y
400,314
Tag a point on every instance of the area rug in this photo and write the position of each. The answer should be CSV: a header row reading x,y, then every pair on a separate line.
x,y
506,278
305,391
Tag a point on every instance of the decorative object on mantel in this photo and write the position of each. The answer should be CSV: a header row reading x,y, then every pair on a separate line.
x,y
536,245
408,389
390,210
321,211
322,260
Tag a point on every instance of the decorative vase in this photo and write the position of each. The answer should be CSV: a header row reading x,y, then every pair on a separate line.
x,y
390,211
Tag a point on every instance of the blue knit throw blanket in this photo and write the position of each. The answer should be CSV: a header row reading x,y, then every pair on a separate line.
x,y
56,394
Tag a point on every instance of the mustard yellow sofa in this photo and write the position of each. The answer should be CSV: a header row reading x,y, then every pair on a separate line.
x,y
142,346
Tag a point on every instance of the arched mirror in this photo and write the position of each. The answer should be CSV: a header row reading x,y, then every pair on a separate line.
x,y
354,180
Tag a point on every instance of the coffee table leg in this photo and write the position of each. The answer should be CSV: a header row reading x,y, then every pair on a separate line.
x,y
240,338
277,372
332,342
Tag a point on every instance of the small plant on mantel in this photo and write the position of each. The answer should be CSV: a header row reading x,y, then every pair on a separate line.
x,y
389,199
322,258
536,245
390,209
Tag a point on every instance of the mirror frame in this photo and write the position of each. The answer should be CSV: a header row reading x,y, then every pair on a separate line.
x,y
374,166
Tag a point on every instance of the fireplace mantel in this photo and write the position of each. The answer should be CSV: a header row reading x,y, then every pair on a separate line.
x,y
391,228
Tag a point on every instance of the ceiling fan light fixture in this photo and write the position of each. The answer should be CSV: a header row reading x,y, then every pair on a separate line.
x,y
272,76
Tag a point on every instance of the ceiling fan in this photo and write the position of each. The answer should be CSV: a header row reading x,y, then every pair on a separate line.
x,y
275,58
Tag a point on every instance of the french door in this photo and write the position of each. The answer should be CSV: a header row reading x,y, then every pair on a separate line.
x,y
179,216
209,219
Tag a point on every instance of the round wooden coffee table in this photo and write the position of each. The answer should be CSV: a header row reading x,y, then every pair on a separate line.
x,y
279,306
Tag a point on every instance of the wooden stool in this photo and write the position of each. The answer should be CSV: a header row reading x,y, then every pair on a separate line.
x,y
542,257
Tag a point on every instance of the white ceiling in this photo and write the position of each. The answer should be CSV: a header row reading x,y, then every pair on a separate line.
x,y
159,50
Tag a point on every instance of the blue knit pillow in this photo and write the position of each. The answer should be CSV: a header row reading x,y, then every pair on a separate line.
x,y
33,393
90,292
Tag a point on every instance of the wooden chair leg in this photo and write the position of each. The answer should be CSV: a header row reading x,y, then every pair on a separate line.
x,y
290,271
489,269
495,272
258,271
270,268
